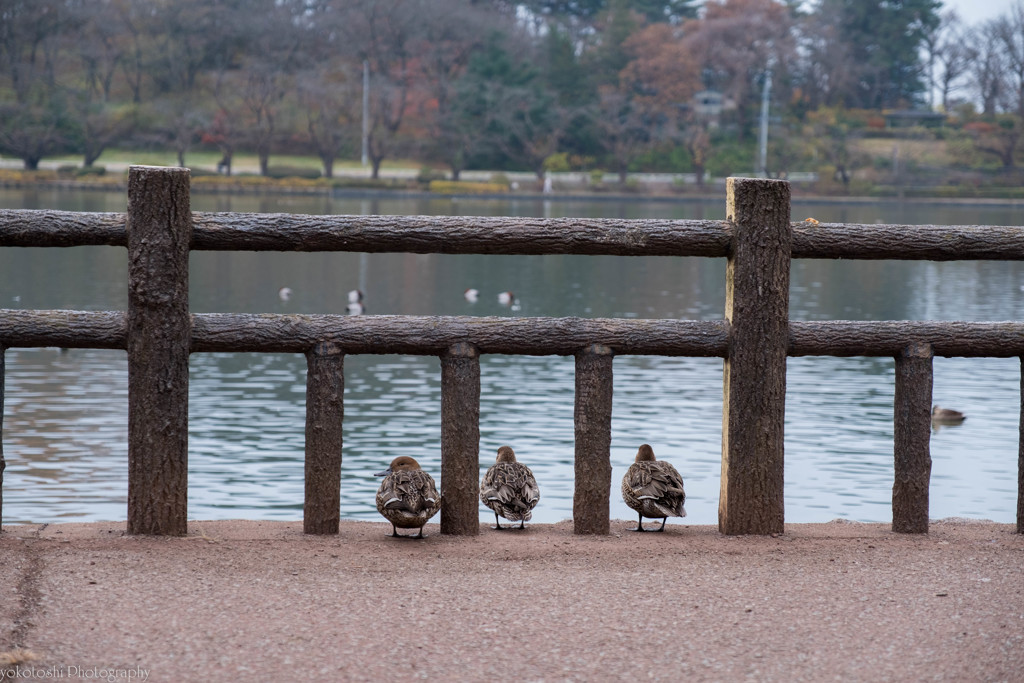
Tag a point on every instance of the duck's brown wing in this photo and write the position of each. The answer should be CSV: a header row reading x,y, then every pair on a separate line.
x,y
656,484
413,492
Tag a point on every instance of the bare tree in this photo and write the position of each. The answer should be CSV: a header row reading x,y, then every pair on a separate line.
x,y
950,55
330,96
1009,31
384,33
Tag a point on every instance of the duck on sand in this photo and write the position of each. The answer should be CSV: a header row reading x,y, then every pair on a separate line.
x,y
407,497
509,489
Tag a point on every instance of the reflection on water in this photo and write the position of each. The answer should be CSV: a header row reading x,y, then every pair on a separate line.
x,y
65,421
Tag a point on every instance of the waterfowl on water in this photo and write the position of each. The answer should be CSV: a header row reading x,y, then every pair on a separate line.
x,y
506,298
653,488
355,302
947,416
471,295
407,497
509,489
285,293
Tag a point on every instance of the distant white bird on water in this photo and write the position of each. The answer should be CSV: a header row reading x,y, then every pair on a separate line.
x,y
506,298
471,295
355,302
284,294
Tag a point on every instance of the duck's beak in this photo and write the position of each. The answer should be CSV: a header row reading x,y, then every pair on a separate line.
x,y
384,473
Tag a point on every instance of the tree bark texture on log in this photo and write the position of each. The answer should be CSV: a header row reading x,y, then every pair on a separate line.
x,y
593,426
158,341
460,440
754,379
432,335
325,412
912,437
498,235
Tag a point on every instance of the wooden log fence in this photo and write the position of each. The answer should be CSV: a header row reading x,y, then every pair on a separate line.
x,y
754,339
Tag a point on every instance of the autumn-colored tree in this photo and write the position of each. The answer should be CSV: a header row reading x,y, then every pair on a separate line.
x,y
735,43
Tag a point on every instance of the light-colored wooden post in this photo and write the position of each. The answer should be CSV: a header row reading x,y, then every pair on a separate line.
x,y
593,424
911,439
3,463
1020,457
325,412
757,309
159,332
460,440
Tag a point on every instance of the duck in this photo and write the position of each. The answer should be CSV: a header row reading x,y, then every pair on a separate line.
x,y
285,293
471,295
506,298
407,497
947,416
653,488
355,302
509,489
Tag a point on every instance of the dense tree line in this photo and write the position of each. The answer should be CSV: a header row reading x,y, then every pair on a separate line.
x,y
538,84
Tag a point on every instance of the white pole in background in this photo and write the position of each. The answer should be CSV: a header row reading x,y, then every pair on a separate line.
x,y
366,110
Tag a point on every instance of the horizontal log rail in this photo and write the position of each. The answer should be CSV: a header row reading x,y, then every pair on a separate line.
x,y
496,235
433,335
755,337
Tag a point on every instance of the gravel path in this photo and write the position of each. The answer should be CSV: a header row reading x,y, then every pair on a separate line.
x,y
261,601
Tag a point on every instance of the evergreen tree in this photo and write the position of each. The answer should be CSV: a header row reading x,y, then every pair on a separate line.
x,y
883,39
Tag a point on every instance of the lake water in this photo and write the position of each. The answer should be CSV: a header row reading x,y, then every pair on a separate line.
x,y
65,413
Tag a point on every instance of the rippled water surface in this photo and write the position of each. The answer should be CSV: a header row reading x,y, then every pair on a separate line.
x,y
65,413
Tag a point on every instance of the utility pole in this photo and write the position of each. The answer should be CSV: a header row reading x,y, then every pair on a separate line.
x,y
762,162
366,111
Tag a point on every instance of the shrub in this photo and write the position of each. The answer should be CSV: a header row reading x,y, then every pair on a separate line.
x,y
465,187
278,172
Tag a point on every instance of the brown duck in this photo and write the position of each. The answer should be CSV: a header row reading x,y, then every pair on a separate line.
x,y
653,488
407,497
509,489
947,416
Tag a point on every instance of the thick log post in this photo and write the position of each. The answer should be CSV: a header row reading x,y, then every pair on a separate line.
x,y
593,421
757,309
325,411
159,231
460,440
1020,456
912,436
3,463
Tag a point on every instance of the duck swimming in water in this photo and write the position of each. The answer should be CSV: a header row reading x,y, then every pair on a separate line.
x,y
947,416
509,489
653,488
407,497
471,295
355,303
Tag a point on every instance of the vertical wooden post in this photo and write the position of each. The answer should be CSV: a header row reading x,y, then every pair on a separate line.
x,y
754,378
3,463
1020,456
159,332
912,436
593,421
325,412
460,440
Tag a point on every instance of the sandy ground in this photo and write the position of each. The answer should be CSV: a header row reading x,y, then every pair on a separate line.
x,y
261,601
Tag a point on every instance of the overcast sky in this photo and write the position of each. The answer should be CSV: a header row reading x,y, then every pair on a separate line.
x,y
974,11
